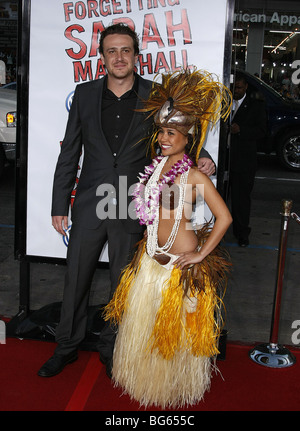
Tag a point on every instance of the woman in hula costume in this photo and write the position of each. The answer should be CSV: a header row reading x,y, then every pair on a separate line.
x,y
168,302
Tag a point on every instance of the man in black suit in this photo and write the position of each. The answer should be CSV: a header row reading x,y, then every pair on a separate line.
x,y
104,122
248,125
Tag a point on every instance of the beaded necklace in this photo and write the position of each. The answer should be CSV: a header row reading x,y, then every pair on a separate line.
x,y
147,204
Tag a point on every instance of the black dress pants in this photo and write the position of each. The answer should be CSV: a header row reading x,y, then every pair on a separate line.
x,y
241,186
84,248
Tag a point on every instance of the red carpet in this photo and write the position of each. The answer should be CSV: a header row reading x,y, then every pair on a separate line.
x,y
84,386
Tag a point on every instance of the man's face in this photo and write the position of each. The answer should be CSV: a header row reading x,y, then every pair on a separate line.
x,y
239,89
118,55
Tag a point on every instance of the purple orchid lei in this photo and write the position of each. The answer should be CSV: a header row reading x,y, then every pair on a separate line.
x,y
146,210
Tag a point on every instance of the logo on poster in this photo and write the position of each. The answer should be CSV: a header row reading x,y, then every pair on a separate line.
x,y
66,237
69,100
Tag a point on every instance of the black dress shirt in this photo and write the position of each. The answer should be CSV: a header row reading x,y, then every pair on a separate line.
x,y
117,114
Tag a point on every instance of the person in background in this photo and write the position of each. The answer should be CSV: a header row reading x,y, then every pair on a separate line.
x,y
248,125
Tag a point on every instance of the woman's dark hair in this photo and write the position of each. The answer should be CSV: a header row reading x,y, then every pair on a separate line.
x,y
193,141
120,29
191,150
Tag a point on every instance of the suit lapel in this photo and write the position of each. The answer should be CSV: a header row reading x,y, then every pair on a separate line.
x,y
98,111
243,107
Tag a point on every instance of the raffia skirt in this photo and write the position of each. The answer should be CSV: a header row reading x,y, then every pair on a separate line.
x,y
166,342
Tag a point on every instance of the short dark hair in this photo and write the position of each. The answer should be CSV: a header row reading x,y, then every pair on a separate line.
x,y
240,77
120,28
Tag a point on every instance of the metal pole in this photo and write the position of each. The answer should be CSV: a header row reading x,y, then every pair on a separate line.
x,y
271,354
285,216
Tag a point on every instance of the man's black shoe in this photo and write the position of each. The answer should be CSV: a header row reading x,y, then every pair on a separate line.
x,y
56,364
243,242
108,364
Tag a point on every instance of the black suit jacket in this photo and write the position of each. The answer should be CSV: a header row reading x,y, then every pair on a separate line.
x,y
84,133
251,117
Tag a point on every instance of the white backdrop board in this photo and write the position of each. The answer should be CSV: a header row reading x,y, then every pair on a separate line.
x,y
64,39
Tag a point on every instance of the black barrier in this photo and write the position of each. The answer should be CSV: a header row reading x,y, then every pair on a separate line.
x,y
272,354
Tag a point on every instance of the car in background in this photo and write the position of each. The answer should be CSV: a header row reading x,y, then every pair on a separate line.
x,y
283,123
10,86
8,123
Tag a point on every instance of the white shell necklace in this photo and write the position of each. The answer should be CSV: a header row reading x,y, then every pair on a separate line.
x,y
152,229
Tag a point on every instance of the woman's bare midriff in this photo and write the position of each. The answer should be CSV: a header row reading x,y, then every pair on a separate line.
x,y
186,239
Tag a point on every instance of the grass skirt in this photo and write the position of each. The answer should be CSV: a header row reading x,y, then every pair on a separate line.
x,y
165,340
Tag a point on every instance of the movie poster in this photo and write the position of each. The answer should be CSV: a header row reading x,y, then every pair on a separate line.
x,y
64,39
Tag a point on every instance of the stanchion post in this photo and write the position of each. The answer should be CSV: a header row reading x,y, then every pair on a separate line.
x,y
285,217
271,354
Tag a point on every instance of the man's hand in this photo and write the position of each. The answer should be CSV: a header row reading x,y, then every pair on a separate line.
x,y
60,223
206,166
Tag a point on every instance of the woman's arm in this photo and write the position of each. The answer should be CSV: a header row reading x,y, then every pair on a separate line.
x,y
219,209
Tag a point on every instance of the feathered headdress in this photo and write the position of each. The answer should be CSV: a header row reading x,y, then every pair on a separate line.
x,y
189,101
